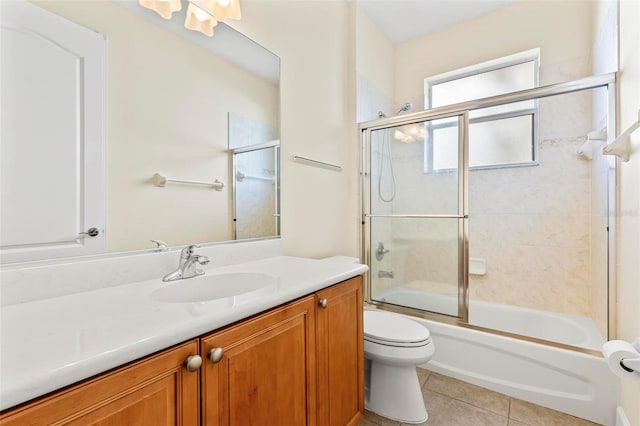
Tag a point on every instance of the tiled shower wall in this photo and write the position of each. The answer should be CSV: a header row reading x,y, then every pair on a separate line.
x,y
532,225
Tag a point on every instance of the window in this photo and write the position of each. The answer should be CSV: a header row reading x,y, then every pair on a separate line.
x,y
500,136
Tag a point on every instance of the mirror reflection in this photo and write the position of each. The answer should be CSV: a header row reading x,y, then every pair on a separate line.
x,y
256,195
126,97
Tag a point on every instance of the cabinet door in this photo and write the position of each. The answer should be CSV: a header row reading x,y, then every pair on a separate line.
x,y
155,391
266,374
340,354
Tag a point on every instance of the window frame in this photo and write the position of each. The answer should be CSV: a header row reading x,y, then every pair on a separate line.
x,y
532,55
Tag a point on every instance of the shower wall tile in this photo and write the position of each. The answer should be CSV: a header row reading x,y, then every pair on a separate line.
x,y
533,227
433,260
556,295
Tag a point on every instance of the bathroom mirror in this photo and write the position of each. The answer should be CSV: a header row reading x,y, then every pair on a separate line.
x,y
145,152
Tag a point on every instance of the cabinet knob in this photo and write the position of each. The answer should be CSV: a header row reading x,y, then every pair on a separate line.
x,y
323,303
193,363
215,355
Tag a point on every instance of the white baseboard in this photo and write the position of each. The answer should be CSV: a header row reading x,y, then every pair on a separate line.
x,y
621,418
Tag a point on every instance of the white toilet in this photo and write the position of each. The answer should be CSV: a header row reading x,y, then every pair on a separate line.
x,y
393,346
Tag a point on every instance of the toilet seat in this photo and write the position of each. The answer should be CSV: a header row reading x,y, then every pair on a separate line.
x,y
390,329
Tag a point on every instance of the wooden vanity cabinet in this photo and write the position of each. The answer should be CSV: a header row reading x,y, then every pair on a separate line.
x,y
264,370
340,354
157,390
298,364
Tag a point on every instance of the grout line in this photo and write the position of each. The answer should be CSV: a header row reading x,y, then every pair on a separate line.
x,y
471,404
468,403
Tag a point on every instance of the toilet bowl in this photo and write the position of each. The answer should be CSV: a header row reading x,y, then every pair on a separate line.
x,y
393,346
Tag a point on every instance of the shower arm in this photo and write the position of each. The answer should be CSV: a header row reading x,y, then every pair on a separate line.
x,y
404,108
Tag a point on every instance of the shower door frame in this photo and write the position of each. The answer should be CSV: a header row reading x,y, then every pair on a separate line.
x,y
607,81
462,214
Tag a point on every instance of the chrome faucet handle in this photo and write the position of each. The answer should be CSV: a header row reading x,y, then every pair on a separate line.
x,y
381,251
160,245
187,252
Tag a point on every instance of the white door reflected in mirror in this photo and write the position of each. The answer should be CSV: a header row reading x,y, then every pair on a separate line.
x,y
52,136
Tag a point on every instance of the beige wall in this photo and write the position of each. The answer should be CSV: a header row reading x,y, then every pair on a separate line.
x,y
628,268
315,42
375,59
375,56
559,28
167,112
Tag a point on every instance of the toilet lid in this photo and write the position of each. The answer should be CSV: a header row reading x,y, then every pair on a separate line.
x,y
385,327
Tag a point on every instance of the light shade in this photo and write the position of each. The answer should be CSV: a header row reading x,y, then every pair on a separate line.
x,y
226,9
164,8
410,133
200,20
220,9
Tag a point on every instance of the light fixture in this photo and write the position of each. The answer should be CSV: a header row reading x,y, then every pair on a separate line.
x,y
410,133
225,9
199,19
164,8
202,15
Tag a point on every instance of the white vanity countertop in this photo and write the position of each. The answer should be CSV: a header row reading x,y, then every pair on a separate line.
x,y
51,343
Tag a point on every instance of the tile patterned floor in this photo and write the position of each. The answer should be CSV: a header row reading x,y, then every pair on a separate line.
x,y
451,402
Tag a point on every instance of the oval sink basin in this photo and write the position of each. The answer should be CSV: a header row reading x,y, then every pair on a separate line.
x,y
240,287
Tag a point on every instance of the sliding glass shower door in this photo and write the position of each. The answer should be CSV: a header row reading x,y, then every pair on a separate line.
x,y
416,209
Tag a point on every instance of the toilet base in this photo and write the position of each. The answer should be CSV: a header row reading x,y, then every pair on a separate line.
x,y
394,392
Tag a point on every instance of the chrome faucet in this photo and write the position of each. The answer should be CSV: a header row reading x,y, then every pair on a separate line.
x,y
188,266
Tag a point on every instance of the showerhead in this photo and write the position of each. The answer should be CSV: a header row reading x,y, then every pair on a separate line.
x,y
405,107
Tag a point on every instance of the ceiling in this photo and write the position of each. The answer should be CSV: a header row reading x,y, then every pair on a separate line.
x,y
402,20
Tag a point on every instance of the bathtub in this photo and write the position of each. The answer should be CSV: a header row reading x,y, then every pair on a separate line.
x,y
569,381
569,329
